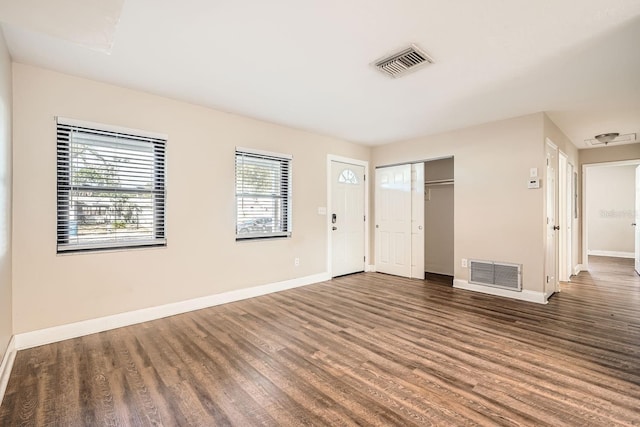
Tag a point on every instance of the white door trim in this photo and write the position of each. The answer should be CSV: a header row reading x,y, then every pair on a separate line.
x,y
636,230
572,219
333,158
584,220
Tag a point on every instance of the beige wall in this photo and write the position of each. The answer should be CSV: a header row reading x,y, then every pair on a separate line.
x,y
6,328
496,217
615,153
611,194
202,257
563,143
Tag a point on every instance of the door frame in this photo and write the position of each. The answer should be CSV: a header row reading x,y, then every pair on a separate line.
x,y
584,266
334,158
636,249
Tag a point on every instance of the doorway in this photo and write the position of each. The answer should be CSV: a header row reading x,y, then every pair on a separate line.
x,y
347,216
438,218
414,219
609,207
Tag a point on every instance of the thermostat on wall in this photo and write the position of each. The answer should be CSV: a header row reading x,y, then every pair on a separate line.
x,y
534,183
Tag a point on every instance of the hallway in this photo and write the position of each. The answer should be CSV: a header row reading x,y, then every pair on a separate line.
x,y
612,277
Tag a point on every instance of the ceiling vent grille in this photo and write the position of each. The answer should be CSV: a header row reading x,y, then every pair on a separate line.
x,y
400,63
627,138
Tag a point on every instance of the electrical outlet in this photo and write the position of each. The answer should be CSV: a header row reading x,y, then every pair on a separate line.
x,y
464,262
296,261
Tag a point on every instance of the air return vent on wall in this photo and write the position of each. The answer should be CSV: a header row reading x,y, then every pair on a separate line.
x,y
496,274
399,63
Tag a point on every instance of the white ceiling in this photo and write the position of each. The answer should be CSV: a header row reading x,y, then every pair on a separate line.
x,y
305,64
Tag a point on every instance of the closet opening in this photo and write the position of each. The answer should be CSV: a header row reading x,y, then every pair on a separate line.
x,y
438,220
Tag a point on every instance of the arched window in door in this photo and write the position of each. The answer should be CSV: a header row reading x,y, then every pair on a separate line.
x,y
348,177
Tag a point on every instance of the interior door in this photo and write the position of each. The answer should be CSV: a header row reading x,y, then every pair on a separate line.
x,y
565,218
393,220
563,271
347,218
635,222
417,220
551,259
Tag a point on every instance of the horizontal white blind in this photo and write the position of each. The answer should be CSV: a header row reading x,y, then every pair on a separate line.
x,y
111,189
263,195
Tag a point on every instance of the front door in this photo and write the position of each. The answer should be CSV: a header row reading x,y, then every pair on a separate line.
x,y
347,218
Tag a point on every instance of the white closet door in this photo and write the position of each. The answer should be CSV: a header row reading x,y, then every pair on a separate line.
x,y
417,220
393,220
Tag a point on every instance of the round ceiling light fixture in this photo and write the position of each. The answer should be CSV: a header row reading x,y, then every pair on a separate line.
x,y
606,138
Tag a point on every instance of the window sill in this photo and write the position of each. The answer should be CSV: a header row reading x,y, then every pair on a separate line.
x,y
109,250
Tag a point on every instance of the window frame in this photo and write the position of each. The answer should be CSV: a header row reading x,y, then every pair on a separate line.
x,y
286,164
157,145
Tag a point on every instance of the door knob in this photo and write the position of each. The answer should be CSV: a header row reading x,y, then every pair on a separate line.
x,y
334,228
556,227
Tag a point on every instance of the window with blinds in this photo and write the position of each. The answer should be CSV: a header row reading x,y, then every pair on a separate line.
x,y
263,194
111,189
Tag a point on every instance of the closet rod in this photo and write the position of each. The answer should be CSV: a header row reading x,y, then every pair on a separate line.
x,y
439,182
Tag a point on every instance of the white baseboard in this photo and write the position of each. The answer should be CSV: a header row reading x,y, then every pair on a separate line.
x,y
370,268
92,326
525,295
615,254
6,366
577,269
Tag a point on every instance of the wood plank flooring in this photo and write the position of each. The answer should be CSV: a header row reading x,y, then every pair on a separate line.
x,y
366,349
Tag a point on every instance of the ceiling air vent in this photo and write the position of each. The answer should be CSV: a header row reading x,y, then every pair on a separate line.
x,y
400,63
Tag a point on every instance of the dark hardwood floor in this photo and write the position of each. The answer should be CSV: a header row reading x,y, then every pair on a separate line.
x,y
366,349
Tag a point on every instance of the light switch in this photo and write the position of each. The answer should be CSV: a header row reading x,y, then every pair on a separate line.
x,y
533,172
322,210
